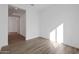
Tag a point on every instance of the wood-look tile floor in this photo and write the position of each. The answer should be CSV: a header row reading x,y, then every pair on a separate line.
x,y
39,46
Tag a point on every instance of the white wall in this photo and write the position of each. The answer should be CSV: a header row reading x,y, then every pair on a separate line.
x,y
13,24
23,25
58,14
3,25
32,23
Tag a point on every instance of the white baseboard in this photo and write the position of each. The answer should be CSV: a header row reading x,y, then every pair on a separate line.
x,y
32,37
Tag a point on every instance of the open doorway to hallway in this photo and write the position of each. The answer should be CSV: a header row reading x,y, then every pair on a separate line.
x,y
16,25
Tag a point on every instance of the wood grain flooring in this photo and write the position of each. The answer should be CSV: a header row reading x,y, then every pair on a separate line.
x,y
14,37
38,46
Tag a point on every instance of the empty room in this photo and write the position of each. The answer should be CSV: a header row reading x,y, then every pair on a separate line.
x,y
39,29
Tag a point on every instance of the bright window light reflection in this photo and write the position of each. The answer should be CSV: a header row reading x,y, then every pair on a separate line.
x,y
56,36
53,36
60,34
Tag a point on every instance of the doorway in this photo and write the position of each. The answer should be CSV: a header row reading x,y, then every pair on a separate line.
x,y
16,25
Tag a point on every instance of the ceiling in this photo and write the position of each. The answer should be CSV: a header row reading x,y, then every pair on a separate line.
x,y
13,11
40,7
